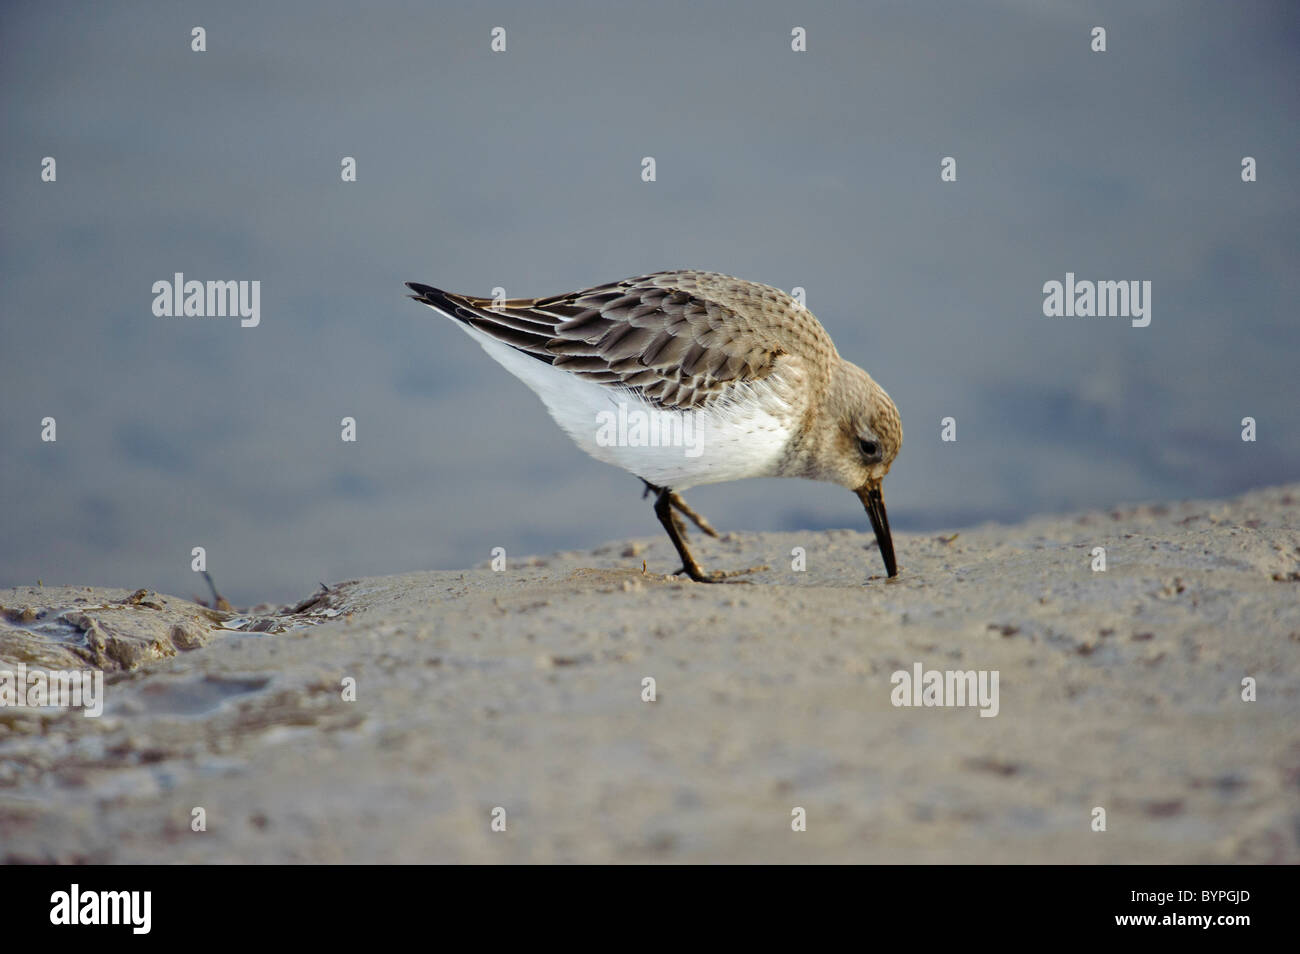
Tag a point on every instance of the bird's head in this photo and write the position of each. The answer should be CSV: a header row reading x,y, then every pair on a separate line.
x,y
865,436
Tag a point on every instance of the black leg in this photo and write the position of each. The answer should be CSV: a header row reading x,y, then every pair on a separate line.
x,y
681,506
664,511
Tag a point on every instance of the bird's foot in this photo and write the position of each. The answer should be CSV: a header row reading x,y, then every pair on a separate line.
x,y
718,576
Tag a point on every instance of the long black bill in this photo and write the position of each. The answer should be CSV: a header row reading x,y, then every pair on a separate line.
x,y
875,504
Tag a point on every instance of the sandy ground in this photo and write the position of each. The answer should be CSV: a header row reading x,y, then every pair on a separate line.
x,y
523,690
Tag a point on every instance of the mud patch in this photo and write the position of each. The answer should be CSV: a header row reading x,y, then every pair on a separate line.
x,y
77,628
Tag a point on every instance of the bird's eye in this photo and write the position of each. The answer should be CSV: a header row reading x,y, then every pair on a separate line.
x,y
868,448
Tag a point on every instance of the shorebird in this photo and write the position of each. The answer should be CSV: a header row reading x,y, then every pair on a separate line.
x,y
688,377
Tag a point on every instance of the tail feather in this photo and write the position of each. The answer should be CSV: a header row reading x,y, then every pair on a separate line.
x,y
529,337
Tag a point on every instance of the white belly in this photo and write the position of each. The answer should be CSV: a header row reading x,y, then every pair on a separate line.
x,y
677,449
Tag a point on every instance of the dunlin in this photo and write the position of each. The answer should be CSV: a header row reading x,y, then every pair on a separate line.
x,y
686,378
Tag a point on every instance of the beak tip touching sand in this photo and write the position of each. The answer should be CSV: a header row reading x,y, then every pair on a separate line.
x,y
874,502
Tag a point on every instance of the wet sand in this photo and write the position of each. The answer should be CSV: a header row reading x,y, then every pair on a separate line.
x,y
523,690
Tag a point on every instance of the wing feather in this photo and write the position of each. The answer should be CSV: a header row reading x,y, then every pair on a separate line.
x,y
680,340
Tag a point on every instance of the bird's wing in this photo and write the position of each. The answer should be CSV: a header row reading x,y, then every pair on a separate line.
x,y
681,340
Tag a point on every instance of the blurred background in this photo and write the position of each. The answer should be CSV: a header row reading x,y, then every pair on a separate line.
x,y
522,170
